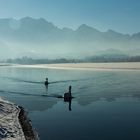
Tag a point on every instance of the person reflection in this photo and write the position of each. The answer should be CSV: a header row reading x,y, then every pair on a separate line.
x,y
68,97
46,88
70,101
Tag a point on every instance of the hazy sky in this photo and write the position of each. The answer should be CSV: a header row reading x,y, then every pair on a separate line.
x,y
120,15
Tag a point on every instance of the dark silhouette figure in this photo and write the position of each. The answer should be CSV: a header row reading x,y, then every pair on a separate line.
x,y
46,82
68,97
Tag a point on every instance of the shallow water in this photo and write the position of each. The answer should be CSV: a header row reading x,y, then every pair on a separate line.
x,y
106,104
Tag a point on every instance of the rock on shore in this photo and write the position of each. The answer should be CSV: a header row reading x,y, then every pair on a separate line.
x,y
14,124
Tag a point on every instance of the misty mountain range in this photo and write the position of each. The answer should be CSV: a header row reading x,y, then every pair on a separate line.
x,y
39,38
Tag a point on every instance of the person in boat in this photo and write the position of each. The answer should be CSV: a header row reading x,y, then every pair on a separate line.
x,y
46,82
67,95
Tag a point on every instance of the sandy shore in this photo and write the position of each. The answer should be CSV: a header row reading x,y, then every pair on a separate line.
x,y
88,66
14,124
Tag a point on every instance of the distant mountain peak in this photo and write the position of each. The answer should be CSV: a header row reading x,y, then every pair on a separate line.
x,y
30,19
67,29
27,18
86,27
44,37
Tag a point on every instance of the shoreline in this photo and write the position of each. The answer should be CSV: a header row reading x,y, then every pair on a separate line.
x,y
15,125
123,66
28,130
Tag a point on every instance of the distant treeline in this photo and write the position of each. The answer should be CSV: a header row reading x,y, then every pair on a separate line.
x,y
113,58
26,60
97,59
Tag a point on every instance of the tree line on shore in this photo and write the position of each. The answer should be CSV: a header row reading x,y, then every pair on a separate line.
x,y
96,59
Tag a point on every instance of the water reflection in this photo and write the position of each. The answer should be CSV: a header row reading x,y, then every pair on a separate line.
x,y
69,102
46,87
88,87
102,112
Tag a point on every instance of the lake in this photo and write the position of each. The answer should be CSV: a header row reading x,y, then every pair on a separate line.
x,y
106,104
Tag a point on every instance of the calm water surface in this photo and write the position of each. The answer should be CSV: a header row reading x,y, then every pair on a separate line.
x,y
106,104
